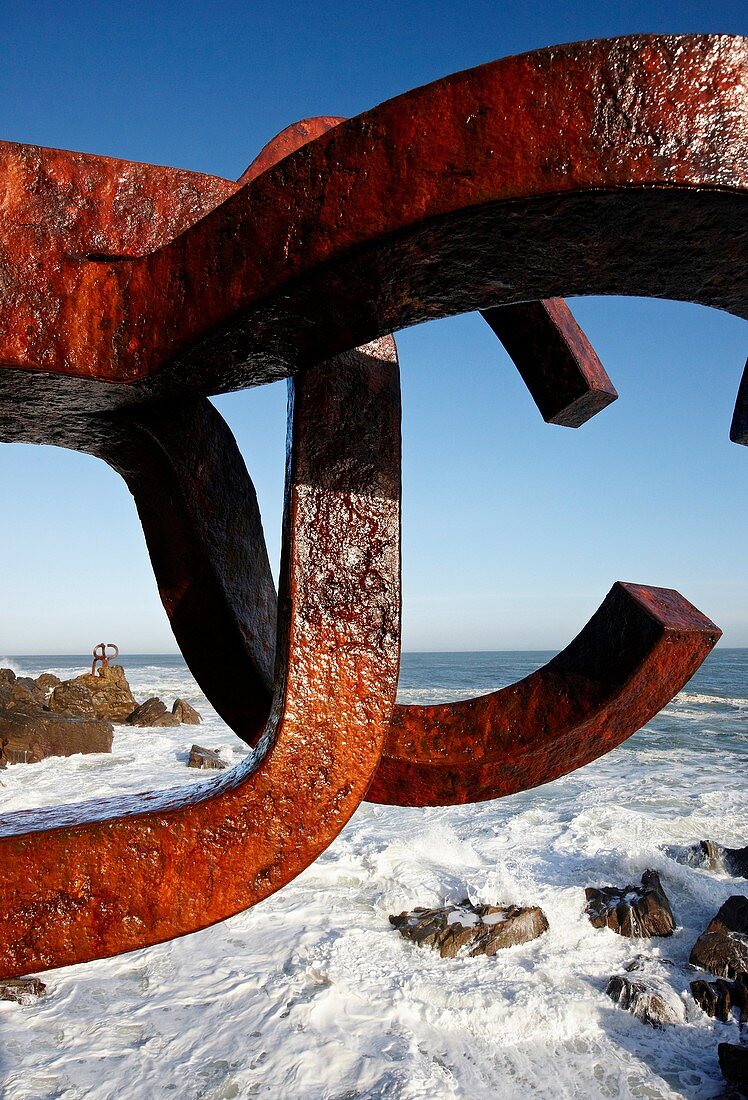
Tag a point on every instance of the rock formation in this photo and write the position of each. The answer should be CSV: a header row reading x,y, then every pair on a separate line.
x,y
152,712
651,1001
485,928
103,695
733,1061
21,990
713,857
718,998
632,910
205,758
29,731
722,948
185,713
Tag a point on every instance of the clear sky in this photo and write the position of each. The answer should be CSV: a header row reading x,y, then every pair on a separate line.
x,y
513,530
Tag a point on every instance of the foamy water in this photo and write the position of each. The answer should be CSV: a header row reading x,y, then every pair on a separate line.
x,y
312,994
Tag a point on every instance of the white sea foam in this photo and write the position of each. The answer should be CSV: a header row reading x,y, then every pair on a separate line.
x,y
312,993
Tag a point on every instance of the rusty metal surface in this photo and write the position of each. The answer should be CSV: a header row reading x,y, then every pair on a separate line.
x,y
557,363
632,657
130,292
126,873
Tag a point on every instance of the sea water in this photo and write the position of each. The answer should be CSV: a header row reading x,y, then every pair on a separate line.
x,y
312,994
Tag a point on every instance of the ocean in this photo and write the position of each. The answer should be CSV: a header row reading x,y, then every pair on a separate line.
x,y
311,994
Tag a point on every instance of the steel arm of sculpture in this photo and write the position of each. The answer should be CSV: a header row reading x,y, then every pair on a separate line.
x,y
122,874
606,167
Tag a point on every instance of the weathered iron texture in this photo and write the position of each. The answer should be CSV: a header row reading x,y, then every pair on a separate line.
x,y
130,293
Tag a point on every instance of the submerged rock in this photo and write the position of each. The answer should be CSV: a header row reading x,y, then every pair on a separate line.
x,y
651,1001
185,713
632,910
104,695
485,928
722,948
205,758
21,990
718,998
152,712
733,1061
712,857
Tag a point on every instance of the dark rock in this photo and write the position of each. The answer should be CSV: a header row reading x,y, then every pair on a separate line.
x,y
633,910
712,857
47,682
733,1061
205,758
718,998
486,928
650,1001
16,696
29,731
152,712
21,990
722,948
105,694
7,676
28,684
186,714
29,738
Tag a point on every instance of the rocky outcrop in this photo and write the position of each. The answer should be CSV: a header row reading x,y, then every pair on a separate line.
x,y
486,929
21,990
632,910
733,1061
205,758
722,948
713,857
719,998
105,694
152,712
29,738
651,1001
185,713
29,731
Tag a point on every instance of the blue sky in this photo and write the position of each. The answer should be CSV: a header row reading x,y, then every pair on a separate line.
x,y
513,529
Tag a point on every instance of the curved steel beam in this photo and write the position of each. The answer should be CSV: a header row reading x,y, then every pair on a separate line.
x,y
559,171
89,881
633,656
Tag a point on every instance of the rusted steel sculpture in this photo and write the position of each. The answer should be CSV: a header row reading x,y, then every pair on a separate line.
x,y
130,293
101,657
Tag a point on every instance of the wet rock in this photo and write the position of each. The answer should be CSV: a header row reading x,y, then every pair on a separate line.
x,y
733,1061
30,732
205,758
632,910
105,694
485,928
719,998
722,948
712,857
152,712
21,990
185,713
651,1001
27,738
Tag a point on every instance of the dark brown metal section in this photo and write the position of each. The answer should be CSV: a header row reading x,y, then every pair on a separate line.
x,y
557,363
632,657
89,881
199,513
